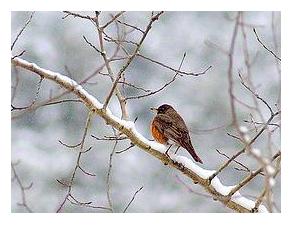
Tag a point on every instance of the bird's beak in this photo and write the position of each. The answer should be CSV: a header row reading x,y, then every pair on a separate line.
x,y
154,109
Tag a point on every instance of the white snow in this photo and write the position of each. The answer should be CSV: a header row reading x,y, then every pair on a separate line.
x,y
243,129
246,137
94,100
272,181
154,145
262,209
222,189
256,152
247,203
270,169
63,78
186,162
216,183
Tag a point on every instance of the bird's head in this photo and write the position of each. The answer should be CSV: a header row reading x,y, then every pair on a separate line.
x,y
162,109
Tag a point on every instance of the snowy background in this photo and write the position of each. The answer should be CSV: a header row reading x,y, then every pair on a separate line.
x,y
53,43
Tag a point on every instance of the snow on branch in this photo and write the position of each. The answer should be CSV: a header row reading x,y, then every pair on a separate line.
x,y
225,194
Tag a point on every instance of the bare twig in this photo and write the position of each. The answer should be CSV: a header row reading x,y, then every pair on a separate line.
x,y
68,13
265,47
132,199
174,70
22,29
254,93
23,189
77,165
69,146
113,19
230,74
124,150
58,96
166,84
108,179
237,162
161,88
62,101
107,64
85,204
90,44
149,26
34,100
232,158
110,138
19,54
250,177
131,26
261,123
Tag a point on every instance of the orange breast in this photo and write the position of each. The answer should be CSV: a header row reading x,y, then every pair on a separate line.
x,y
158,136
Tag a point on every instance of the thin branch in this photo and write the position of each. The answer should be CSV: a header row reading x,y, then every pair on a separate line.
x,y
166,84
244,148
68,13
85,204
62,101
265,47
22,29
237,162
13,108
149,26
19,54
260,123
235,137
133,197
77,165
22,189
90,44
110,138
108,179
161,88
230,73
134,86
250,177
107,64
69,146
131,26
174,70
254,93
124,150
113,19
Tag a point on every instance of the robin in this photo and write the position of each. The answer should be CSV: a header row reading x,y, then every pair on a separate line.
x,y
169,125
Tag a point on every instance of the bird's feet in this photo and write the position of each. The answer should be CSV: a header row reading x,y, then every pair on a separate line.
x,y
166,152
177,150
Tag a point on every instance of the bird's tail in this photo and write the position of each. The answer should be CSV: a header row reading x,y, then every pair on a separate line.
x,y
188,146
194,155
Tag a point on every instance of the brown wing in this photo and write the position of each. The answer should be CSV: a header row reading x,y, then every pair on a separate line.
x,y
174,128
166,125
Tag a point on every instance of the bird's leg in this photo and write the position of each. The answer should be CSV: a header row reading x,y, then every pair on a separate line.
x,y
177,150
166,152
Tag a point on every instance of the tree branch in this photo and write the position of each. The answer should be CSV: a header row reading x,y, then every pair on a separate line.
x,y
265,47
184,165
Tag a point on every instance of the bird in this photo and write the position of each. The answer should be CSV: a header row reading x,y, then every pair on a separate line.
x,y
167,126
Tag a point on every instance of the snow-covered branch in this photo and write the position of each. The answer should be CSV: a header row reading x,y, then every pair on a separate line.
x,y
198,175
